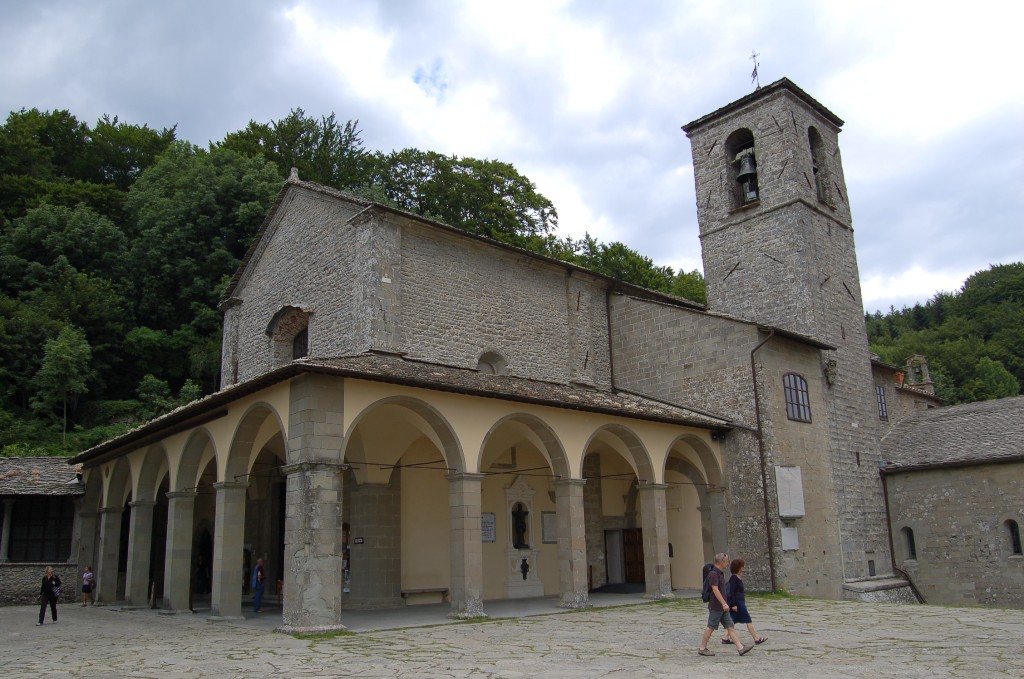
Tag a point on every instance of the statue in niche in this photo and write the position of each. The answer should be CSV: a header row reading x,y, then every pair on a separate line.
x,y
524,567
519,515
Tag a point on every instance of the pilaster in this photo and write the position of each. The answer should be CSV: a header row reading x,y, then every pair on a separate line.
x,y
467,562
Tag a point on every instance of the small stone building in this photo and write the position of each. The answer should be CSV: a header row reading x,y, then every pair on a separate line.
x,y
412,413
39,502
954,479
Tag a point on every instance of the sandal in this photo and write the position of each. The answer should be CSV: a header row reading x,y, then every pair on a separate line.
x,y
705,651
761,640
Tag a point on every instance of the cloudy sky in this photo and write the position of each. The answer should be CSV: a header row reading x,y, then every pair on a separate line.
x,y
586,99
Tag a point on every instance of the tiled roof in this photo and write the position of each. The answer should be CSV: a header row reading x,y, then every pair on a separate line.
x,y
971,433
38,476
463,380
398,370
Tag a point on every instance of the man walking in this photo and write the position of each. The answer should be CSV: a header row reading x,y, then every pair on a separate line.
x,y
718,609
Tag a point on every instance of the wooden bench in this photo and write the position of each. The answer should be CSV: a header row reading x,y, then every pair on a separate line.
x,y
411,595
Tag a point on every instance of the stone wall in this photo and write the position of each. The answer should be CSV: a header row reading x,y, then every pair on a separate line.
x,y
21,583
958,517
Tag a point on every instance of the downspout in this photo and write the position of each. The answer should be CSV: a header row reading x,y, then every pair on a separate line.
x,y
764,467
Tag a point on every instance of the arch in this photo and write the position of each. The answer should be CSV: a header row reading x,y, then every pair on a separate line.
x,y
709,465
741,168
1013,534
819,164
153,469
288,331
199,449
492,363
118,484
430,422
540,435
243,443
909,544
627,444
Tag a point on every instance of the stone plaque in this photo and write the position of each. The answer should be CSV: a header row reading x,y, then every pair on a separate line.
x,y
487,527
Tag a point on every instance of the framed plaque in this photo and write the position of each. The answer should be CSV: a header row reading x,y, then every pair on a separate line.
x,y
548,528
487,527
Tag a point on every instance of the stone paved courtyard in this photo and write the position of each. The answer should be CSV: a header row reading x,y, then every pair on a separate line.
x,y
807,638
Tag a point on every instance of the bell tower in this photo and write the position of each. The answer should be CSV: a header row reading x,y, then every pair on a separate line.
x,y
777,242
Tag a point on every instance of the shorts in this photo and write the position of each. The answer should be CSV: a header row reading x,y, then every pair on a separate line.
x,y
86,589
720,617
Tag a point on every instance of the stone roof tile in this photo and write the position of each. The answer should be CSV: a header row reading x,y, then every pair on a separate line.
x,y
39,476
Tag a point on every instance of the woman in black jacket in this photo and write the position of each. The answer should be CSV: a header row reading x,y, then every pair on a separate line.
x,y
49,592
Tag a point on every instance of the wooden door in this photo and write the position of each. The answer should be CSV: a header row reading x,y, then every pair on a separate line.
x,y
633,548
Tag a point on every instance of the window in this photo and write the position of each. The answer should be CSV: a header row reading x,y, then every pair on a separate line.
x,y
798,402
288,331
300,345
908,542
742,167
883,412
819,166
1014,530
492,363
41,529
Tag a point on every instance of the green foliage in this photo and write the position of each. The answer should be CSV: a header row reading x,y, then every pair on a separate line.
x,y
974,339
64,373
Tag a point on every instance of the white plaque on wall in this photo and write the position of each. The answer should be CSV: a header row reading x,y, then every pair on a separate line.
x,y
488,531
789,484
548,528
790,538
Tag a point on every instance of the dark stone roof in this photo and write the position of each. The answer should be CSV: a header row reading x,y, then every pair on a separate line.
x,y
971,433
780,84
396,369
38,476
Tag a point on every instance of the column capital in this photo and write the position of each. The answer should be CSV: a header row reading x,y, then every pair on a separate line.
x,y
464,476
111,510
652,486
142,503
181,494
571,482
715,489
297,467
230,485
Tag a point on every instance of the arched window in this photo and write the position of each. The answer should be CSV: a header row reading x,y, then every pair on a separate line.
x,y
798,401
1014,533
492,363
289,335
908,542
742,168
819,164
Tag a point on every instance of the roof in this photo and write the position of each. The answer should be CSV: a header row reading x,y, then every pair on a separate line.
x,y
395,369
780,84
38,476
966,434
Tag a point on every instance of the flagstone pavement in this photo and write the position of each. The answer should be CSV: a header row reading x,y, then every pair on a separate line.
x,y
806,638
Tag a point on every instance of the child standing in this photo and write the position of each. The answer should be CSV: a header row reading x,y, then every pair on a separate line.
x,y
87,582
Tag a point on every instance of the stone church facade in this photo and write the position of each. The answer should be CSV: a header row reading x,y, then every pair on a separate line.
x,y
411,413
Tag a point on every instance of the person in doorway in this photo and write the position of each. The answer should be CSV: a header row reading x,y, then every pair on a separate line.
x,y
87,584
259,585
718,609
49,592
737,599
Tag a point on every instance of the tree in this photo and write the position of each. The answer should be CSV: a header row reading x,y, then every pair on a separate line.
x,y
324,151
120,152
64,374
991,380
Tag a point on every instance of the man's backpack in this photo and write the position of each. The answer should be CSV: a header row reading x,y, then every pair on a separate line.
x,y
705,593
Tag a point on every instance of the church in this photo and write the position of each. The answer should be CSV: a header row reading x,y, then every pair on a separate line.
x,y
409,413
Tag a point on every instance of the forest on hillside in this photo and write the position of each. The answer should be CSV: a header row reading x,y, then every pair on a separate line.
x,y
117,241
973,338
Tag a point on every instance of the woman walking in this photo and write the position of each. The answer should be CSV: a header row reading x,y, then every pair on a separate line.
x,y
49,592
737,599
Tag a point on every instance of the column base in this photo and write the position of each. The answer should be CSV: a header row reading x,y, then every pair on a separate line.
x,y
575,601
316,629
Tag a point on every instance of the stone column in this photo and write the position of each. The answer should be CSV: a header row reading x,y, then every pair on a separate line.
x,y
181,506
719,522
140,539
5,537
313,558
655,531
467,555
572,544
110,546
228,538
376,563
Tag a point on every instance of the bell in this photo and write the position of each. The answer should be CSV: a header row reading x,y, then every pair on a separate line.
x,y
748,169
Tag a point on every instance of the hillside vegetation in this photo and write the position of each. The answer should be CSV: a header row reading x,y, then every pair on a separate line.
x,y
117,241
